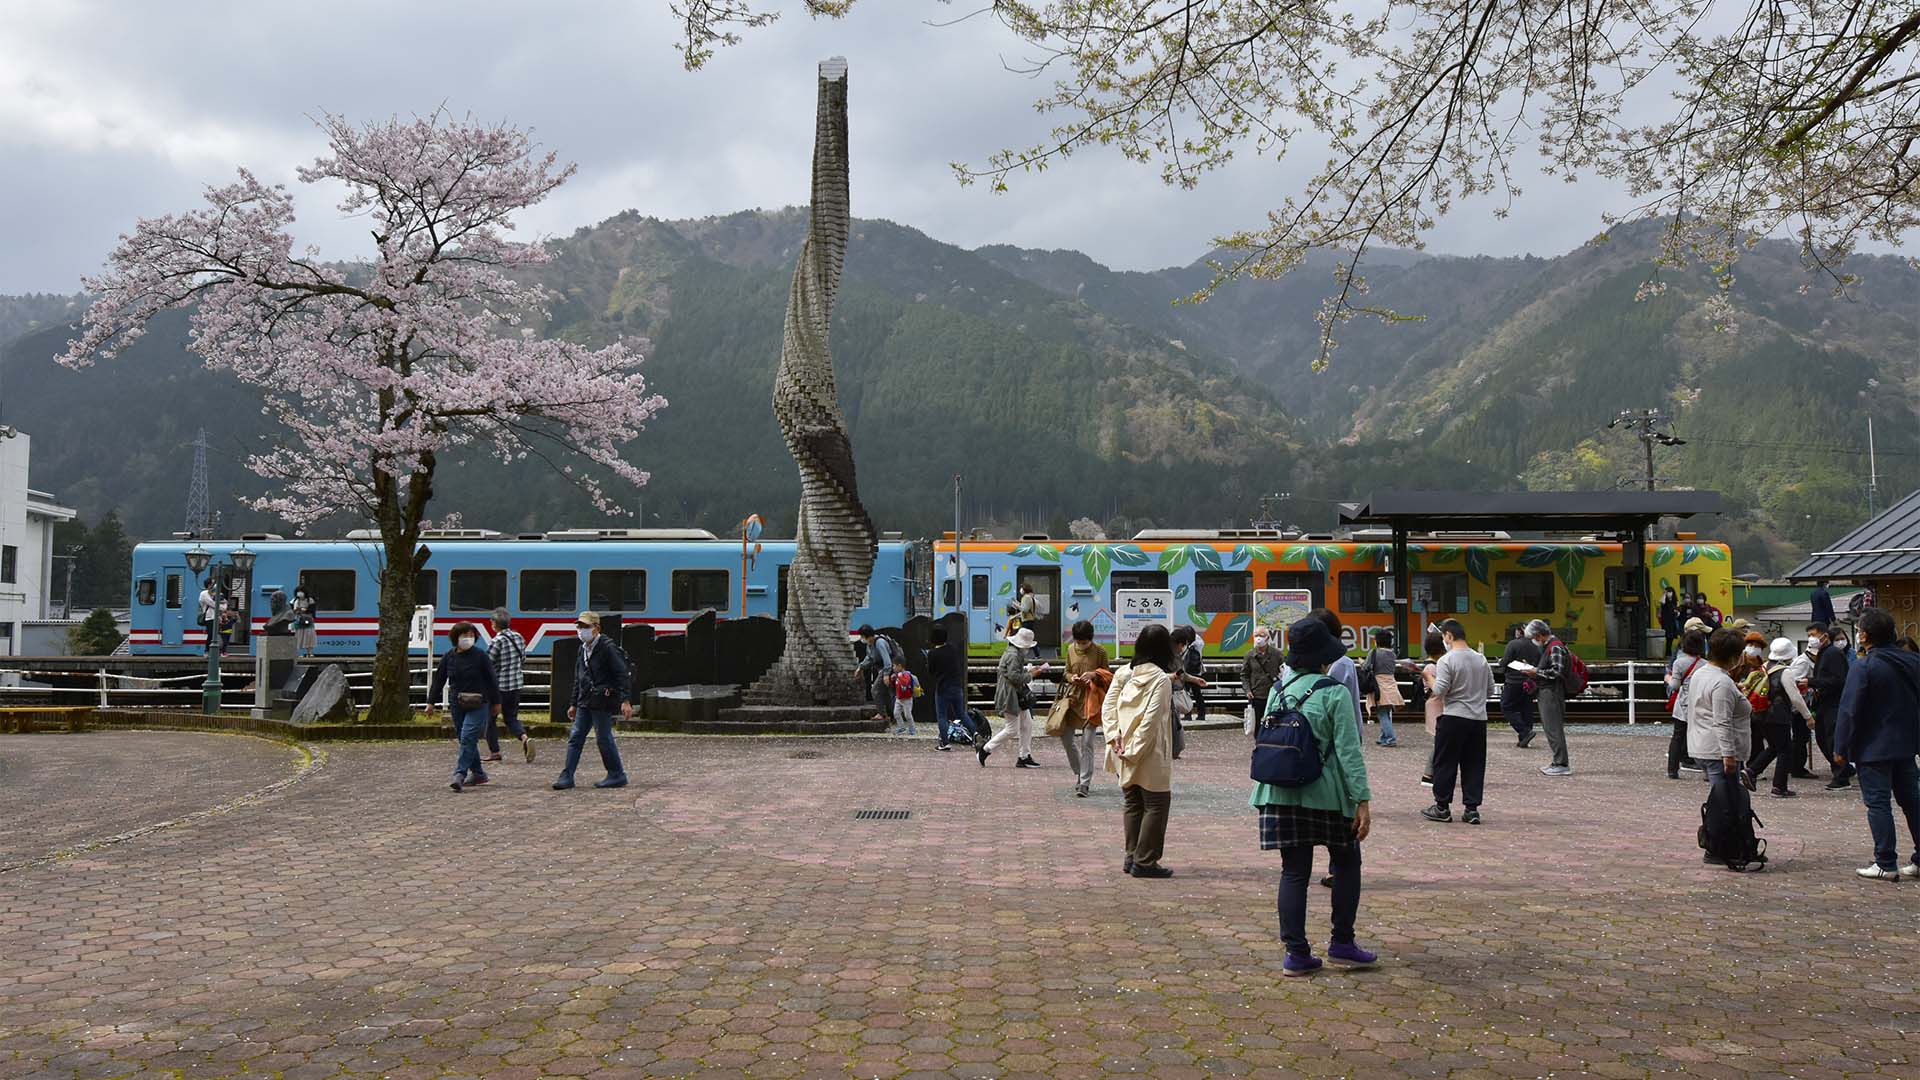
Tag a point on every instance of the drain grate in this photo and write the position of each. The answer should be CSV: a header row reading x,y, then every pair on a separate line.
x,y
807,755
882,815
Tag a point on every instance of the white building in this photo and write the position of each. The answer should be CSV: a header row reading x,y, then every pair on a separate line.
x,y
27,518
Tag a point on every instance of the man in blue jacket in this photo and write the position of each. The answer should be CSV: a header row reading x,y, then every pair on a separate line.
x,y
1878,732
601,684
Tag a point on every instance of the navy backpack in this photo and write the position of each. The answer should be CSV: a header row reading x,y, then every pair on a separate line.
x,y
1284,751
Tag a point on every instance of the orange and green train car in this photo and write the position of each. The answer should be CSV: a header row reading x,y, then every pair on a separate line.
x,y
1489,582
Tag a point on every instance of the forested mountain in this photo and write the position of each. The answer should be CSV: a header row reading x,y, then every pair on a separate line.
x,y
1061,389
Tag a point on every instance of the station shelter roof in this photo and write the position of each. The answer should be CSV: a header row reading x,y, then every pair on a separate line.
x,y
1887,546
1542,511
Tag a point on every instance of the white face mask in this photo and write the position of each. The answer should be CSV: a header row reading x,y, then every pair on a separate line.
x,y
1813,644
1755,652
585,632
465,642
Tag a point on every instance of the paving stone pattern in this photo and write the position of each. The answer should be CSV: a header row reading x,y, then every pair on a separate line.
x,y
726,916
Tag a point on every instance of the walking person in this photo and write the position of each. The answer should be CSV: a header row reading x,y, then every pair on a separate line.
x,y
466,672
1259,670
1137,718
1878,733
1189,679
1013,699
1380,683
1087,679
508,654
1334,811
901,686
1436,647
602,683
1517,686
947,670
1551,687
1828,682
305,623
1463,682
1773,729
1669,617
1719,719
209,613
1800,673
1693,649
876,670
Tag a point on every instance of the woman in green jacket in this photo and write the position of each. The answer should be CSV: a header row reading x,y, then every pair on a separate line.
x,y
1331,812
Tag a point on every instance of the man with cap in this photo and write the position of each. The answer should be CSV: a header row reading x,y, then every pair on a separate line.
x,y
601,683
1551,692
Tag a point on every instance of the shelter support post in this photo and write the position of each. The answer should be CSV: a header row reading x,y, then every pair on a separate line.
x,y
1402,593
1643,584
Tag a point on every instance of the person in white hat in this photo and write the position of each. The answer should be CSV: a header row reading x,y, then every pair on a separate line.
x,y
1775,726
1013,699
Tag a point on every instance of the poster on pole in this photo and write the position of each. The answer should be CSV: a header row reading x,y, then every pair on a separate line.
x,y
1277,609
1136,609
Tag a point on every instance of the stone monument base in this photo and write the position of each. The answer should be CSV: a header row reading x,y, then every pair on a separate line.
x,y
800,720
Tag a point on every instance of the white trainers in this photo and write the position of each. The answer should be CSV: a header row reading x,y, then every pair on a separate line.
x,y
1911,870
1874,873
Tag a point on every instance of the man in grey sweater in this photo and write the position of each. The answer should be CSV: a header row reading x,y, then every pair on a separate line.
x,y
1463,682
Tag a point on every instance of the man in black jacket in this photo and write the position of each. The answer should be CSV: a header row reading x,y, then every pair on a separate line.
x,y
1828,680
948,671
601,682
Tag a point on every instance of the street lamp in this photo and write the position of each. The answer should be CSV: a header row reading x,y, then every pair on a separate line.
x,y
200,561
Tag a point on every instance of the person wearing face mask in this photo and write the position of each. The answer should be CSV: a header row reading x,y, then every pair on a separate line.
x,y
468,673
601,683
304,625
1828,680
1259,669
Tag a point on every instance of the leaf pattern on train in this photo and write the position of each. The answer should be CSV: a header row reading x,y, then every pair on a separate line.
x,y
1480,558
1095,562
1238,632
1127,554
1204,557
1174,557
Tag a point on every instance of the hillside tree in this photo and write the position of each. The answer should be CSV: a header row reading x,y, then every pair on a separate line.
x,y
1729,120
382,372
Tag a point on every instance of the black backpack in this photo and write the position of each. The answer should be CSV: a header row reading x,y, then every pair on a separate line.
x,y
1727,821
1284,751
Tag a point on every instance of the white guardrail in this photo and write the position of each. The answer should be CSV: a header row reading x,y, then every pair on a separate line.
x,y
113,690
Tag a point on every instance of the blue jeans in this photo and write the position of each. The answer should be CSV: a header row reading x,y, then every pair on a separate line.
x,y
950,711
1296,870
601,723
1385,715
1884,782
469,723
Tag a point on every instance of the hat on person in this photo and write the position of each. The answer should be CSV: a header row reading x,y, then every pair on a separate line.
x,y
1782,649
1023,639
588,618
1738,624
1311,646
1755,637
1694,623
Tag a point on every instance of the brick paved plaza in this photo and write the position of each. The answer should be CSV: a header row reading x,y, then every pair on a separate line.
x,y
727,916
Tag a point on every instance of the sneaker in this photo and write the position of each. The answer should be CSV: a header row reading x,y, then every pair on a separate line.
x,y
1426,781
526,747
1326,881
1910,871
1526,740
1471,817
611,781
1874,873
562,784
491,757
1838,783
981,751
1673,775
1746,779
1080,791
1783,793
476,781
1348,954
1026,763
1555,770
1154,871
1691,766
1300,964
1436,812
455,786
1127,866
944,746
1389,745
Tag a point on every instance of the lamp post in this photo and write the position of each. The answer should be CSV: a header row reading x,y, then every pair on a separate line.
x,y
200,561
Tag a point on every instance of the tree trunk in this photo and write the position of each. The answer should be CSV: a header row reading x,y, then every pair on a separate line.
x,y
392,681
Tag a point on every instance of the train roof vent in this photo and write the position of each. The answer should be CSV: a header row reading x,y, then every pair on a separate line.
x,y
459,534
1178,534
530,536
1249,534
1468,534
630,534
1035,536
363,534
1316,536
261,536
895,535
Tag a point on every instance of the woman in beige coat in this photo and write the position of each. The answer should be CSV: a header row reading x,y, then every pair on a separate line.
x,y
1137,720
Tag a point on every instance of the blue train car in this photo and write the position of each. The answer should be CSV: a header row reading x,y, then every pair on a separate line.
x,y
662,577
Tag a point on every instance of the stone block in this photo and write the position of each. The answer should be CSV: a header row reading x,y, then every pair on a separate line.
x,y
327,700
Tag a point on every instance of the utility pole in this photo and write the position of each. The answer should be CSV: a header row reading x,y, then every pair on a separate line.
x,y
1648,426
199,515
1873,475
959,576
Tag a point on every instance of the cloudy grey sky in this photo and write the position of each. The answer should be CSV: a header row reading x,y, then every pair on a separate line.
x,y
114,110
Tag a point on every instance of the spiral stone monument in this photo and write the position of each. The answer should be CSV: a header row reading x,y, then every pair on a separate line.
x,y
835,538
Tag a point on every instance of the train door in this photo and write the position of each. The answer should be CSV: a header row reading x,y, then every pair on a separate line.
x,y
1045,581
173,607
1621,612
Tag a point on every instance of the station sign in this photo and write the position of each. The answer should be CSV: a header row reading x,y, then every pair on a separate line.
x,y
1136,609
1277,609
420,628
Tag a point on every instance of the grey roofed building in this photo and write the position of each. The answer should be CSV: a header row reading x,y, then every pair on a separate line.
x,y
1887,546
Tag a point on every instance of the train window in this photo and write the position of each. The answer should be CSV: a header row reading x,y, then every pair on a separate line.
x,y
1360,592
982,591
1223,590
9,564
476,590
615,590
173,590
1526,592
144,592
1689,586
549,590
1440,593
331,590
698,590
949,591
1313,581
426,588
1133,579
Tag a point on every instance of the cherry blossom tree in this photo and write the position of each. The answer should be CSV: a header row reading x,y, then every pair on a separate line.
x,y
1729,120
381,372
